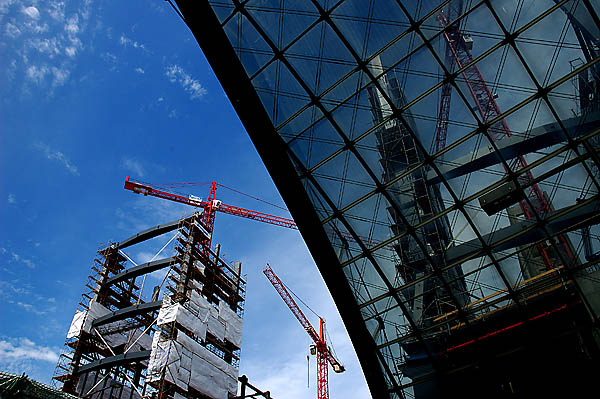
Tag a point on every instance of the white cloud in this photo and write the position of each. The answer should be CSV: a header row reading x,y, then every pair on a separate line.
x,y
133,166
176,74
12,30
72,25
31,308
22,348
108,57
12,199
60,77
46,33
49,46
32,12
58,156
139,70
18,258
57,10
125,41
37,74
70,51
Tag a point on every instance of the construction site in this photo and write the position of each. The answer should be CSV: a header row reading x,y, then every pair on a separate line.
x,y
441,162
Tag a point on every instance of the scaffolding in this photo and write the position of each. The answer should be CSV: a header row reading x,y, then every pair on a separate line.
x,y
184,342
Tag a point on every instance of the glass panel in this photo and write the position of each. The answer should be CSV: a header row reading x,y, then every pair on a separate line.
x,y
252,50
344,179
316,143
281,94
368,27
222,9
283,24
320,58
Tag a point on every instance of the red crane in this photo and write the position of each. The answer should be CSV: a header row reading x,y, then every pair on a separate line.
x,y
213,205
210,207
321,348
458,51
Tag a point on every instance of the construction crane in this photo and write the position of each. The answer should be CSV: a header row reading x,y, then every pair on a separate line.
x,y
458,52
210,207
320,347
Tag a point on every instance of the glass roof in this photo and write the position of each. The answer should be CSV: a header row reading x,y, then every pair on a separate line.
x,y
449,150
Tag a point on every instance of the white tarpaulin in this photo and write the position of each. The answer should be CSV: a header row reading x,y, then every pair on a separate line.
x,y
159,357
76,324
183,316
233,324
207,379
206,368
215,326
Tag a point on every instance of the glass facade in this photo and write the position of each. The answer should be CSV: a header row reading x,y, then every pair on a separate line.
x,y
450,152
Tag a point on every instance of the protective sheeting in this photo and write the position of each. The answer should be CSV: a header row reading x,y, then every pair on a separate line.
x,y
76,324
215,325
165,356
199,316
187,363
233,324
211,374
209,380
82,320
170,312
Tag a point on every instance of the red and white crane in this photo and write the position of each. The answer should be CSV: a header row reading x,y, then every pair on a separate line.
x,y
324,355
458,52
210,207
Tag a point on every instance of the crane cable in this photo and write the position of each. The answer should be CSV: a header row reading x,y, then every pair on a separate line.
x,y
327,336
256,198
197,184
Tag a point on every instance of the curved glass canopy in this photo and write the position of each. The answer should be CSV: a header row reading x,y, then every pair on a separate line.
x,y
449,154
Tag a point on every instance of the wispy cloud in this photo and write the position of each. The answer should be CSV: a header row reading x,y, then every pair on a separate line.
x,y
31,308
12,199
139,70
46,41
23,348
37,74
27,262
125,41
133,166
176,74
57,156
15,257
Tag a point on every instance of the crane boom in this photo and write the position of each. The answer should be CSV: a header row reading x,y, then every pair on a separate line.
x,y
289,301
216,205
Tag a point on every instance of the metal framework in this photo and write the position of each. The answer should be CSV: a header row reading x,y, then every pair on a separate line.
x,y
117,333
445,273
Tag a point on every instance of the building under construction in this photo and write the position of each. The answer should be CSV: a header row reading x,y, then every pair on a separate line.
x,y
441,161
184,342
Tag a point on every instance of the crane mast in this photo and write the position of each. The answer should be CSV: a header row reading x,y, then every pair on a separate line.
x,y
324,355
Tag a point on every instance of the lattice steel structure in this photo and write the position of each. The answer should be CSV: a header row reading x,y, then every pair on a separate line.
x,y
184,341
440,159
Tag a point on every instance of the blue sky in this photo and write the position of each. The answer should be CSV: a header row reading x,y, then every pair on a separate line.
x,y
90,93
